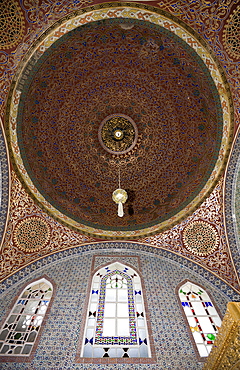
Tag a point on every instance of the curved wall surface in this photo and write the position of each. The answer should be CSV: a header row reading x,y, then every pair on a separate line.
x,y
4,183
70,271
232,202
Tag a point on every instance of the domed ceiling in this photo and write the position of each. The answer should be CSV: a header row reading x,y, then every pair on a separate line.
x,y
125,95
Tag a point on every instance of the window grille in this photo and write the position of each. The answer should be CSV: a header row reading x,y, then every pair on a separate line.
x,y
21,328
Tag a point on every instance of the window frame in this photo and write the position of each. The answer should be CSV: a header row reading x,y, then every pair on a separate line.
x,y
118,360
28,358
190,334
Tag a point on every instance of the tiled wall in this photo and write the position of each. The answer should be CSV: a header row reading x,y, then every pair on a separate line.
x,y
232,202
58,343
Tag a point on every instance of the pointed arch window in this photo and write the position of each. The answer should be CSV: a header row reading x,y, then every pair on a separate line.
x,y
21,328
202,317
116,321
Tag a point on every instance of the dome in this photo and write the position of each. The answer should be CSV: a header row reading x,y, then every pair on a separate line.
x,y
120,95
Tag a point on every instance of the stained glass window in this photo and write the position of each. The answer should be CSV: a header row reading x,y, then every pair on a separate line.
x,y
202,317
116,320
21,328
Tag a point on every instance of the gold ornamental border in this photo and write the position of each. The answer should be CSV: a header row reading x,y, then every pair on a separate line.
x,y
138,12
225,352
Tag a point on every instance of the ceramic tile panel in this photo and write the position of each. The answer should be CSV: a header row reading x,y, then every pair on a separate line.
x,y
161,274
101,260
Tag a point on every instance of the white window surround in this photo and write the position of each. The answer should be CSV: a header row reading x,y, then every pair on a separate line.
x,y
116,319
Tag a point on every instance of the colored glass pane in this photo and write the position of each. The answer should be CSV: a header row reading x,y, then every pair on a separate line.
x,y
202,317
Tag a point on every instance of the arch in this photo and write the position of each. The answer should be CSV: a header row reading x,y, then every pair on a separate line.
x,y
116,324
20,330
201,316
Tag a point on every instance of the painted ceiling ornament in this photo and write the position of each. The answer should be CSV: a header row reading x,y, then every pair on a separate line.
x,y
200,238
118,134
120,196
31,234
231,34
182,123
12,25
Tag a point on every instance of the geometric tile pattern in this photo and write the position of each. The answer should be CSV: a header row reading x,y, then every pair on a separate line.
x,y
71,273
111,248
232,203
103,260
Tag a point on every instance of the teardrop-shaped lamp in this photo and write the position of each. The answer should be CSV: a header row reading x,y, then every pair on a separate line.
x,y
120,196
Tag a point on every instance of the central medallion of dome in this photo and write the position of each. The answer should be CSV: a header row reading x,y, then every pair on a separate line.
x,y
118,133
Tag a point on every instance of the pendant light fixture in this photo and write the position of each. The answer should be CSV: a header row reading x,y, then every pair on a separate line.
x,y
119,196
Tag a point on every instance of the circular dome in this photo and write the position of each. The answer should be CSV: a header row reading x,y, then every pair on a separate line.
x,y
105,96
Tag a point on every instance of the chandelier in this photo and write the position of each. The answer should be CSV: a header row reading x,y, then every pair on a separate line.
x,y
119,196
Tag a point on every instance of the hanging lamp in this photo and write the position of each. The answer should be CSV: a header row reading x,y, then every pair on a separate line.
x,y
119,196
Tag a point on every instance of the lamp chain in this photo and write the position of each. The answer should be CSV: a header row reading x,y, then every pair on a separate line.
x,y
119,185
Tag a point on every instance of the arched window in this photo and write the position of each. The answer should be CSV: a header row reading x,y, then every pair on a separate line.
x,y
116,320
21,328
203,319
